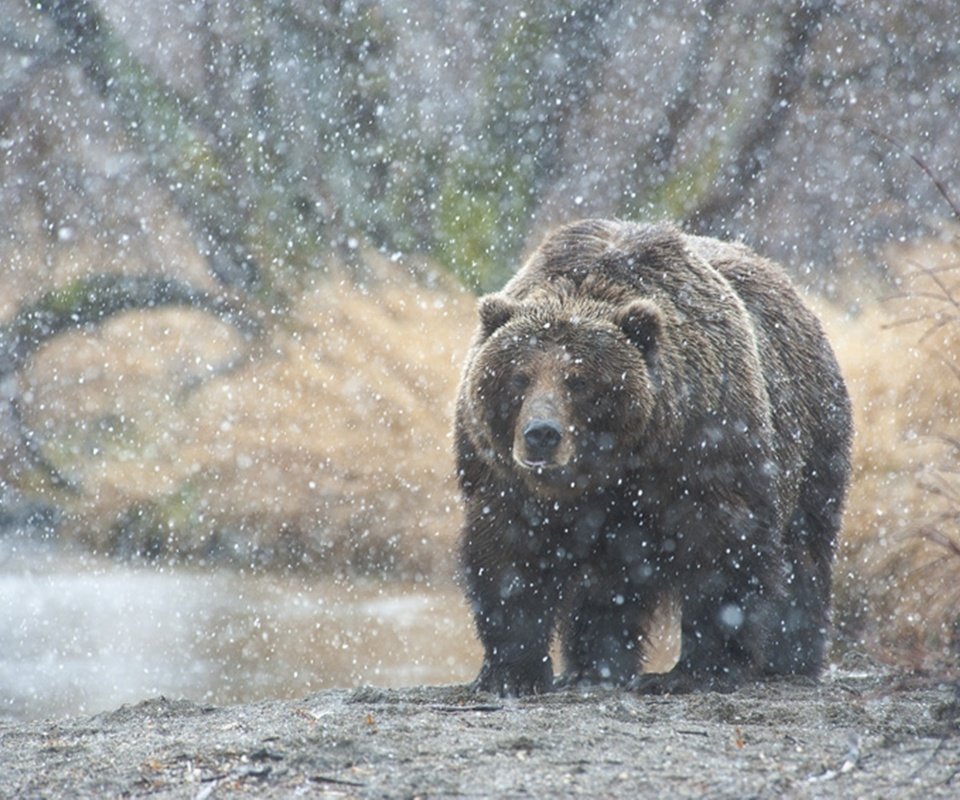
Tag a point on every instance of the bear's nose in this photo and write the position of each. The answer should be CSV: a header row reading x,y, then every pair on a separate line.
x,y
542,436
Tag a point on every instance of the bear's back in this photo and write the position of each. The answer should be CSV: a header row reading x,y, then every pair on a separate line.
x,y
808,398
614,262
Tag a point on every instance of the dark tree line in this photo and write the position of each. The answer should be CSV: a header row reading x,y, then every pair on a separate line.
x,y
284,133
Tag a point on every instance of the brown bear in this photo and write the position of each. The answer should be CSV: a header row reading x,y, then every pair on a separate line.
x,y
645,414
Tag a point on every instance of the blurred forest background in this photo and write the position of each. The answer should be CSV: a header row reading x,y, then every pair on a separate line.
x,y
240,245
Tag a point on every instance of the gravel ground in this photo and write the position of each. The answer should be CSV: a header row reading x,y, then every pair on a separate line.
x,y
853,735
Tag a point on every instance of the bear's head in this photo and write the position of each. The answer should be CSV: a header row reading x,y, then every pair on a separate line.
x,y
560,393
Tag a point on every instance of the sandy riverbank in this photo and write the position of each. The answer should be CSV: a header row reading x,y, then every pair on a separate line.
x,y
854,735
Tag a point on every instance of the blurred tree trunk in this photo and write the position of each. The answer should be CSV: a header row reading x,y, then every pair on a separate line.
x,y
577,41
751,152
653,159
220,157
162,123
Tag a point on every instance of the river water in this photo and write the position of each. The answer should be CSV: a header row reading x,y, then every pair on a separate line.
x,y
79,637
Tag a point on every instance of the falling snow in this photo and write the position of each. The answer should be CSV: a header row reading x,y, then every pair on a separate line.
x,y
239,254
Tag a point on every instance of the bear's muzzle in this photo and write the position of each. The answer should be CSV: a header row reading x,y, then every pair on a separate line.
x,y
541,438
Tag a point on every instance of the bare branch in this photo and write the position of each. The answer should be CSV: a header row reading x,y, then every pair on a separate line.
x,y
928,171
88,302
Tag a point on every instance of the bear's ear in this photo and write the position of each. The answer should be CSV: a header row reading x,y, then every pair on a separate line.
x,y
495,311
640,320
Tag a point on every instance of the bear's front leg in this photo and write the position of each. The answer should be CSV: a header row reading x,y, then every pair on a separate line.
x,y
514,615
603,638
514,674
514,603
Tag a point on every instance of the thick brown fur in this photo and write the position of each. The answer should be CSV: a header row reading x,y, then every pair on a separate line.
x,y
647,414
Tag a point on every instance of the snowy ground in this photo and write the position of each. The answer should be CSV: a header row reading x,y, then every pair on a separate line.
x,y
854,735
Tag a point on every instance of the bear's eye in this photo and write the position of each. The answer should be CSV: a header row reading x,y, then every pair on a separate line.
x,y
519,382
575,383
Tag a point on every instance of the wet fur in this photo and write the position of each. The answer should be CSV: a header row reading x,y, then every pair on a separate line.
x,y
711,430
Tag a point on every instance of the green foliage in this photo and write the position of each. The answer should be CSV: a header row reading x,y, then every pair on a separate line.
x,y
160,527
679,193
480,216
488,191
70,299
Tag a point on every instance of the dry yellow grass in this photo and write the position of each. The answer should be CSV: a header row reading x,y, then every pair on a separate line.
x,y
328,445
897,588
